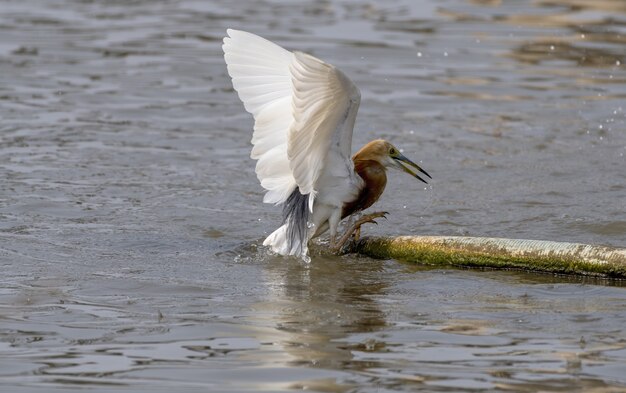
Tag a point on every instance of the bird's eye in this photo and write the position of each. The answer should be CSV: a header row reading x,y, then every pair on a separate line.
x,y
393,151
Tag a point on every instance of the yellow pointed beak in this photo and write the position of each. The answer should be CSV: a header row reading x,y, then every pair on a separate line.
x,y
406,165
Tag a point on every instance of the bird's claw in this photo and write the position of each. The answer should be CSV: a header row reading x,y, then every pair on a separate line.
x,y
371,218
355,229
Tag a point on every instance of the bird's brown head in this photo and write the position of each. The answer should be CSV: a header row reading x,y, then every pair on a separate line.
x,y
388,155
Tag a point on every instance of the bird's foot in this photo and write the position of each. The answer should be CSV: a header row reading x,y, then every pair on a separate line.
x,y
367,219
354,230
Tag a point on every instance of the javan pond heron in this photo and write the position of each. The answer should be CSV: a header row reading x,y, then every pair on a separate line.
x,y
304,111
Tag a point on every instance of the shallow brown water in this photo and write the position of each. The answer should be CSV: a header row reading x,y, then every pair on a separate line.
x,y
130,215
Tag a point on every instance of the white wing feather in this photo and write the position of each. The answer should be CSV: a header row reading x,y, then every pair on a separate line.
x,y
260,73
325,103
302,109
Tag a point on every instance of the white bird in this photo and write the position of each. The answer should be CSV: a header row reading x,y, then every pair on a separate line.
x,y
304,111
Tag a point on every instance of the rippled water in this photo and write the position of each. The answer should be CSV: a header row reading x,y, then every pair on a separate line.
x,y
130,215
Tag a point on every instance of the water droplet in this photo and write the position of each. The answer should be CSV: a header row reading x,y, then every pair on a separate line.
x,y
419,54
478,41
445,54
411,132
600,126
618,62
370,345
551,47
404,207
582,36
258,219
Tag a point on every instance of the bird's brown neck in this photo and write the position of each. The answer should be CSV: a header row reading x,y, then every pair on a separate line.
x,y
374,175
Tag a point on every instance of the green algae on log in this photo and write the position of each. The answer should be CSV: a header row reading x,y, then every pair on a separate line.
x,y
531,255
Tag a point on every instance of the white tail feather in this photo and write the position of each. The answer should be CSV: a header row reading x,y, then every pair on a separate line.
x,y
279,243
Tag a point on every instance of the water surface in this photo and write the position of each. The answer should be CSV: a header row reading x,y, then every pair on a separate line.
x,y
131,217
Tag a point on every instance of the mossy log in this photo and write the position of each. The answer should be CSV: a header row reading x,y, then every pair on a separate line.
x,y
482,252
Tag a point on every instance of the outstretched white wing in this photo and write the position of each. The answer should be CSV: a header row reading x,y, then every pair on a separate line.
x,y
261,76
303,108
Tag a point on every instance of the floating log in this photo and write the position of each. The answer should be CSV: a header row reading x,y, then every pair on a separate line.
x,y
487,252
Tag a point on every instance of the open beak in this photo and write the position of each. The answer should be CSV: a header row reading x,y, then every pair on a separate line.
x,y
407,165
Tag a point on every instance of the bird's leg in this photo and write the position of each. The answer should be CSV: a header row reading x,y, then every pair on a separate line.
x,y
333,241
333,224
355,229
365,219
335,236
357,234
